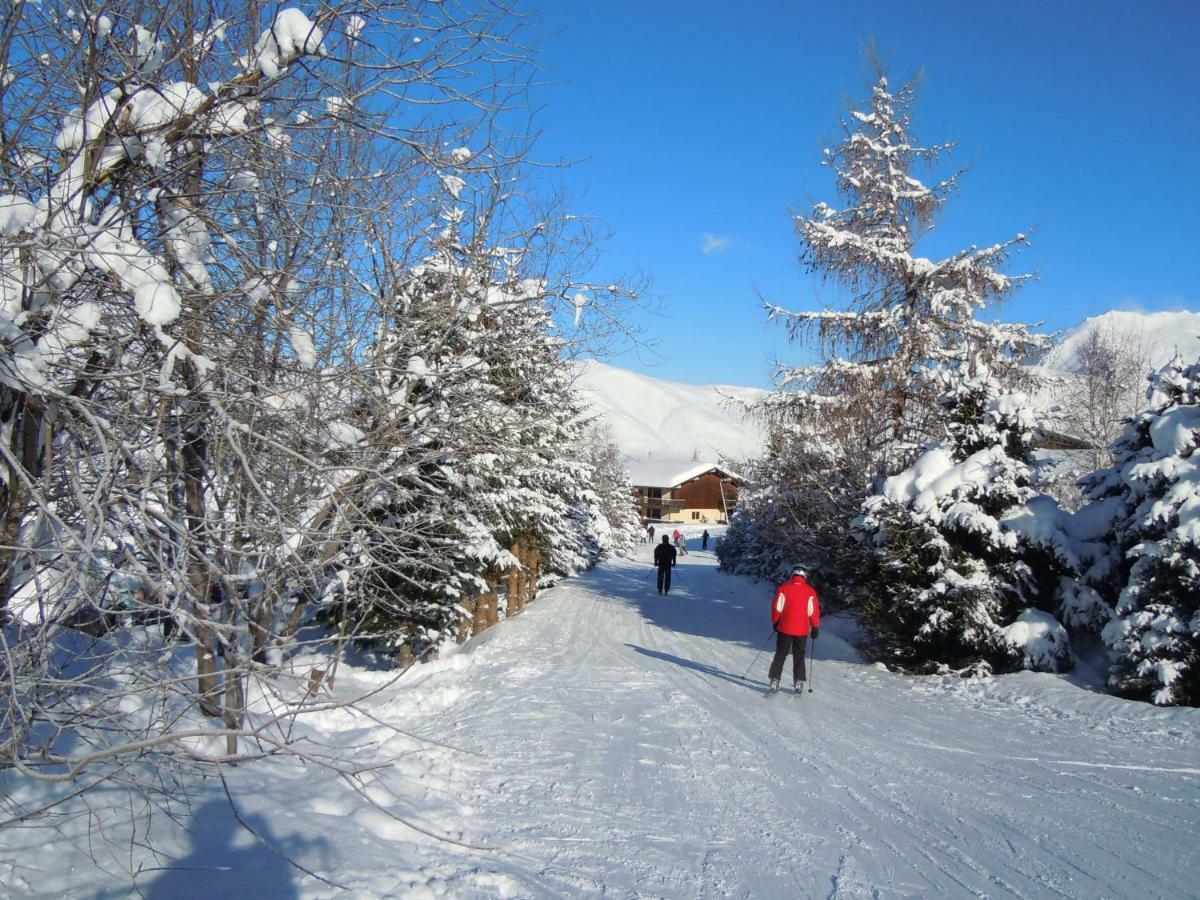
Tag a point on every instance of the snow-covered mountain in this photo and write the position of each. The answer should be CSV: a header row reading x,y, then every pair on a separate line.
x,y
1157,336
656,420
652,418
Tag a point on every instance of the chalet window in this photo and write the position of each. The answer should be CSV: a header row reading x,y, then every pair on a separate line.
x,y
695,515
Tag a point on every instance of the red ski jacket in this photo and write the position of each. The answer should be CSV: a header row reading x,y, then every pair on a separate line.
x,y
796,607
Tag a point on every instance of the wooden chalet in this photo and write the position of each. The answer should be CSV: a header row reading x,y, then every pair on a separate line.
x,y
674,491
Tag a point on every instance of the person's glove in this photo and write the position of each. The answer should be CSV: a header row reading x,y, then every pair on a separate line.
x,y
775,627
816,632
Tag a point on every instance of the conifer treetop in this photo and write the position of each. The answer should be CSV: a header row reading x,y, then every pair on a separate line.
x,y
910,318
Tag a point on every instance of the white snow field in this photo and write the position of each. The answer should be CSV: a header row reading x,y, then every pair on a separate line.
x,y
603,742
653,418
1157,335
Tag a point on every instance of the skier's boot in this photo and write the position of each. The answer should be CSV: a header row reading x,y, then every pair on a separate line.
x,y
774,685
799,688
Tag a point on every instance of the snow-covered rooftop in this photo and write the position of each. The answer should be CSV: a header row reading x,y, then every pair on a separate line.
x,y
664,473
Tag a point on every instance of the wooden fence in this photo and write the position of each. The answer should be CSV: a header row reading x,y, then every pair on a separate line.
x,y
520,587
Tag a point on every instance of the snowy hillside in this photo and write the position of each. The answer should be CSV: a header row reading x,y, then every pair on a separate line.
x,y
1160,335
654,418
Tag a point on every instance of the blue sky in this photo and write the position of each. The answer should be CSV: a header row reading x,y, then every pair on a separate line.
x,y
1078,121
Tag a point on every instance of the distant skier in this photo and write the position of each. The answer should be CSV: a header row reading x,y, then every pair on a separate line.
x,y
650,531
680,545
664,560
704,540
795,613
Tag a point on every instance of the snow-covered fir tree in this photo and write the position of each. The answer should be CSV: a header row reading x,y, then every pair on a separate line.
x,y
793,508
911,319
619,528
1150,498
489,473
950,581
420,544
871,404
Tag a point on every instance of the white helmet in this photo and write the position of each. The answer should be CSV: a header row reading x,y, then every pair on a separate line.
x,y
799,570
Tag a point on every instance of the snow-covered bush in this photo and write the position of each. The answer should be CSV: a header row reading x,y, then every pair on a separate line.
x,y
946,575
1150,498
1040,640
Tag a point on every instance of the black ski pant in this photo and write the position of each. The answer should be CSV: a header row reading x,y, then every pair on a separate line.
x,y
664,579
784,643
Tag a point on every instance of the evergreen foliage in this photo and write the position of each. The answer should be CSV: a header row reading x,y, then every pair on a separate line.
x,y
947,575
865,412
618,525
466,488
1151,498
911,319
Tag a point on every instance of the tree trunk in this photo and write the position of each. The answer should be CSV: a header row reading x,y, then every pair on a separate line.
x,y
28,417
513,579
535,569
235,702
193,453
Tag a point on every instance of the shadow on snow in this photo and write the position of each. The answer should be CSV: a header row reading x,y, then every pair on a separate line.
x,y
227,860
703,668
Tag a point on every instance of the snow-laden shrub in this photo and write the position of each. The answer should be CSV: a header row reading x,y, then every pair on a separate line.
x,y
1040,640
1150,499
946,575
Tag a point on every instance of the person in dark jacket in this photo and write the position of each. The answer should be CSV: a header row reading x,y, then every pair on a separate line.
x,y
704,540
795,613
664,560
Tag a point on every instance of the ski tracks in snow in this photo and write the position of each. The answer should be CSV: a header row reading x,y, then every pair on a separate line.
x,y
616,750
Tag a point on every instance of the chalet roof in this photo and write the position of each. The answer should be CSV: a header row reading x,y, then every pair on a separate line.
x,y
1058,440
669,473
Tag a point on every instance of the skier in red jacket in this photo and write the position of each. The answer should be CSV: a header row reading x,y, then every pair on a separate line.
x,y
795,612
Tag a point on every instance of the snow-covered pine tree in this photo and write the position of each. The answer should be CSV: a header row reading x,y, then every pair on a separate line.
x,y
871,405
555,505
419,544
1151,496
794,507
490,472
948,582
619,527
911,320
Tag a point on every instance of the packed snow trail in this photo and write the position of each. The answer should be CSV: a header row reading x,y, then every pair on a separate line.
x,y
621,752
604,742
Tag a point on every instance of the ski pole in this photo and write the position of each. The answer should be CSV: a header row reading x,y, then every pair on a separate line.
x,y
759,653
812,663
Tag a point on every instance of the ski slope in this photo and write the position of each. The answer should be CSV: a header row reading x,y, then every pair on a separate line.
x,y
653,418
603,742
